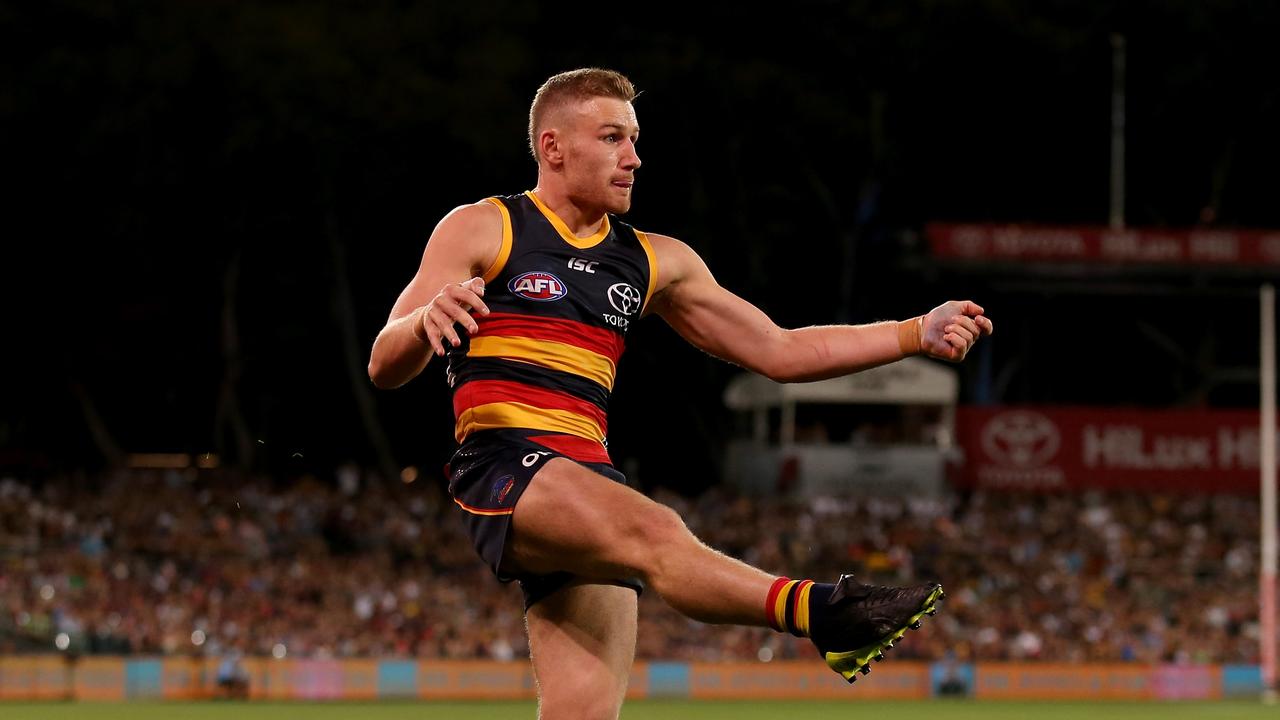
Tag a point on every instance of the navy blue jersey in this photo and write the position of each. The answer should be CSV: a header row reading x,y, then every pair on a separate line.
x,y
545,358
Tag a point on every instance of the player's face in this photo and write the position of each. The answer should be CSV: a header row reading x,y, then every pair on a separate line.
x,y
600,159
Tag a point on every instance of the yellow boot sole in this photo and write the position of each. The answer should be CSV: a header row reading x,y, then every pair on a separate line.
x,y
852,662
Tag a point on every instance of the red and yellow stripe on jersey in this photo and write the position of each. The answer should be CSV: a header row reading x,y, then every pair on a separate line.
x,y
563,346
553,343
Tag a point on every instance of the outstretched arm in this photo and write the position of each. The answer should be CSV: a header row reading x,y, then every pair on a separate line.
x,y
723,324
441,297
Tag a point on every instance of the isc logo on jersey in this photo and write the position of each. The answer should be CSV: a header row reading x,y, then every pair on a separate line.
x,y
540,286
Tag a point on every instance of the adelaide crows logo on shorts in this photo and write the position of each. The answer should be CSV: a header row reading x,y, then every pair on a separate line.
x,y
540,286
501,488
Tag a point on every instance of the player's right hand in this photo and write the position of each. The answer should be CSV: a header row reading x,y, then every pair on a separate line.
x,y
950,330
450,307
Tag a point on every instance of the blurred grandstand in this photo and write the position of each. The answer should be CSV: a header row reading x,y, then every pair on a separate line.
x,y
199,562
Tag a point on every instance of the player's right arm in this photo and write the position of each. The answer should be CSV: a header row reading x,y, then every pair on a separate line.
x,y
730,328
443,294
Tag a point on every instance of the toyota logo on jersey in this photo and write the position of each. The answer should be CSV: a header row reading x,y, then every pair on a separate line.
x,y
624,298
540,286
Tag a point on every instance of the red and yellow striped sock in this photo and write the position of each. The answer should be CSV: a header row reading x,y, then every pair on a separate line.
x,y
787,606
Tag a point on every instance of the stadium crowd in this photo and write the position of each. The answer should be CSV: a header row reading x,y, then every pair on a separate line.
x,y
215,561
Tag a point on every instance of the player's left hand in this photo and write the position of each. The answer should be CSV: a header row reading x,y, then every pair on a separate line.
x,y
952,328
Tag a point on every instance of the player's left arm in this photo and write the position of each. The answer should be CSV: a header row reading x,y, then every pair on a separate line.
x,y
712,318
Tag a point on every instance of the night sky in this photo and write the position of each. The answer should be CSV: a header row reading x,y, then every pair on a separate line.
x,y
213,206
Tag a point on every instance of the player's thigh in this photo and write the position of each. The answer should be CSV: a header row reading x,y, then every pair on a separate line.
x,y
575,520
583,640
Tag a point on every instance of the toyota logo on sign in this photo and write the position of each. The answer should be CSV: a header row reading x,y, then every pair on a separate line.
x,y
624,298
1021,439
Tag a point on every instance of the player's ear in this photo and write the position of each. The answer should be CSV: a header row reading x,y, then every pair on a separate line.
x,y
549,146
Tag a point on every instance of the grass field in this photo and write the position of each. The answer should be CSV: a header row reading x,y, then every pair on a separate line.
x,y
666,710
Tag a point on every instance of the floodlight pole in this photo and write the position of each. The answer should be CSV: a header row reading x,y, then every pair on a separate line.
x,y
1267,437
1117,131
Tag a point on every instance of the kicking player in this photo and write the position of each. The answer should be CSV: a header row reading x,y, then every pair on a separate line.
x,y
529,298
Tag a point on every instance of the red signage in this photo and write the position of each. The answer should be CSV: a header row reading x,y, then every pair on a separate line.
x,y
1101,244
1070,448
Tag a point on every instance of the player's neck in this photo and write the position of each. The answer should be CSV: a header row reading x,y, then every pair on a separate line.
x,y
582,222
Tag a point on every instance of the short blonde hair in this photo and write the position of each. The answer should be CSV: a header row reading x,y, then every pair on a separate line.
x,y
581,84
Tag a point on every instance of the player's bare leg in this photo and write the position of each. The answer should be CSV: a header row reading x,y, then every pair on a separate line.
x,y
582,639
572,519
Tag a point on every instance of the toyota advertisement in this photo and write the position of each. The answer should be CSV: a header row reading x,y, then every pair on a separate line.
x,y
1062,448
1150,246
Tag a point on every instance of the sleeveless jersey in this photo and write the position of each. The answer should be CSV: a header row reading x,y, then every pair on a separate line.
x,y
545,357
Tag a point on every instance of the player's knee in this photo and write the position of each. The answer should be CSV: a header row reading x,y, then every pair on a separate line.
x,y
585,703
655,536
582,709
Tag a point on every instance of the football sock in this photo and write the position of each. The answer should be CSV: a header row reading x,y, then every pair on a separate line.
x,y
791,605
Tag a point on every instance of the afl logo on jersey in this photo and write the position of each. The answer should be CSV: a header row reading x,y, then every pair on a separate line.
x,y
540,286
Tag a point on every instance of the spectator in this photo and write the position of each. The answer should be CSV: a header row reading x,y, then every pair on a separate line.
x,y
232,677
146,559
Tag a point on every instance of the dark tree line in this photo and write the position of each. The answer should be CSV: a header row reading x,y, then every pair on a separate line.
x,y
212,206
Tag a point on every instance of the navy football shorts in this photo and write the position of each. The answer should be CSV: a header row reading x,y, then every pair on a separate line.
x,y
487,476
